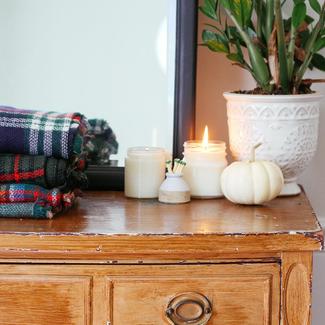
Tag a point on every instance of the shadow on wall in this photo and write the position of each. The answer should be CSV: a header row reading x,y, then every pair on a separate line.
x,y
318,289
215,75
313,178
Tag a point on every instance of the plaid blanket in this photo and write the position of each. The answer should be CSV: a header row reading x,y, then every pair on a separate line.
x,y
14,193
26,210
100,142
44,171
41,133
25,200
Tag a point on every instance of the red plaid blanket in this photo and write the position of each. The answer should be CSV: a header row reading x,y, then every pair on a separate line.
x,y
23,193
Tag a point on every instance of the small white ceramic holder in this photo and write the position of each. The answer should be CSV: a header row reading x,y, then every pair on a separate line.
x,y
174,189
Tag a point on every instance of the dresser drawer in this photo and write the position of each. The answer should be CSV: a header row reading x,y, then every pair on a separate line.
x,y
44,300
213,294
232,294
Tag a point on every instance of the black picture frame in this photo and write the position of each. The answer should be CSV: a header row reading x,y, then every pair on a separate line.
x,y
112,178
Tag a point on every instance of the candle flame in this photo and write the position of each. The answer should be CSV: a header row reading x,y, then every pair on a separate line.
x,y
205,141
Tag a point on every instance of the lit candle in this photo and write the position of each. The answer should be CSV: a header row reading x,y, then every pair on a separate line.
x,y
205,162
144,172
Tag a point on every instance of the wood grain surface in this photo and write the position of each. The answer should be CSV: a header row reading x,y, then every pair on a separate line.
x,y
296,288
239,293
44,299
110,213
106,225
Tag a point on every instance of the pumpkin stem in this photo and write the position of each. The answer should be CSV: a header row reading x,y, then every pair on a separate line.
x,y
253,151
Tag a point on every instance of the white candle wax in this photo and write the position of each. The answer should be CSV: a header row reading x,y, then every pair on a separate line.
x,y
204,165
144,172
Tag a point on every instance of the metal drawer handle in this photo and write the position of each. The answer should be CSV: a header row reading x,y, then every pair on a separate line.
x,y
189,308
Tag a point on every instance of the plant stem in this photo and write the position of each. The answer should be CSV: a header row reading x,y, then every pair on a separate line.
x,y
259,9
273,60
281,47
269,19
291,51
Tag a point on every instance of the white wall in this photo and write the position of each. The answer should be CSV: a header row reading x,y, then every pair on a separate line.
x,y
313,178
216,75
318,312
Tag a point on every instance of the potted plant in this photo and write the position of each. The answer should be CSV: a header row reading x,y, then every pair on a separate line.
x,y
282,112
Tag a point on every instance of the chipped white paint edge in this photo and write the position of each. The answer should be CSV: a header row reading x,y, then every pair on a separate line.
x,y
321,220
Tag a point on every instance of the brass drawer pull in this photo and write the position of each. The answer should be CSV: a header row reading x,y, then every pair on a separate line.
x,y
189,308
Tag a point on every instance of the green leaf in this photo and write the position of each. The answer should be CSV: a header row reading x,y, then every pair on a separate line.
x,y
226,4
232,32
234,57
216,46
217,29
315,5
298,17
287,24
237,57
319,45
258,65
304,37
318,61
208,14
251,33
239,51
298,14
215,42
221,36
245,10
309,47
234,36
209,9
309,19
240,9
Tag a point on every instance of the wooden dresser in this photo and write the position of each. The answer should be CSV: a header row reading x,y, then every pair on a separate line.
x,y
120,261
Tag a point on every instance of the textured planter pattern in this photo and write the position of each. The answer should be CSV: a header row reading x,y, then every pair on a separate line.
x,y
287,126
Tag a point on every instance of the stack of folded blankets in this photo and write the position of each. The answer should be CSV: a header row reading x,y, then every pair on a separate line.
x,y
41,162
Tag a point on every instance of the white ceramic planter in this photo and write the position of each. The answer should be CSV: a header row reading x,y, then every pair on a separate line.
x,y
287,126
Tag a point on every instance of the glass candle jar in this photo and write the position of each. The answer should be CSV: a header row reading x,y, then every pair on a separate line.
x,y
204,165
144,172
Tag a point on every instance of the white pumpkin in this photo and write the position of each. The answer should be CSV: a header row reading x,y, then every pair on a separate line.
x,y
252,182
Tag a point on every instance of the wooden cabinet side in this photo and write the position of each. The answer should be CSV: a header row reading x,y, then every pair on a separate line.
x,y
296,270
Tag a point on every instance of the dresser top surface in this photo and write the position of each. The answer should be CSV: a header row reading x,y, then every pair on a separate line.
x,y
106,225
110,213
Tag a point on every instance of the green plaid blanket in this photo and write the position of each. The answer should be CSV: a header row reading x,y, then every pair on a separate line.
x,y
44,171
41,133
26,210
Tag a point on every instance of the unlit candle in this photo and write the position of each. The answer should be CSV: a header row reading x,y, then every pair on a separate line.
x,y
144,172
